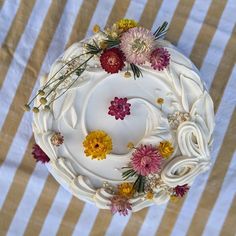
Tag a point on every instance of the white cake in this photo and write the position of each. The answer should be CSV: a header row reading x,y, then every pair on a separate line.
x,y
184,117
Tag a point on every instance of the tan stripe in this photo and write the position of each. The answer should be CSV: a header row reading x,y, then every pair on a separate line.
x,y
71,217
101,223
149,13
82,21
215,180
17,188
1,3
224,70
207,31
42,207
179,20
229,227
17,28
169,218
135,222
118,11
30,75
15,114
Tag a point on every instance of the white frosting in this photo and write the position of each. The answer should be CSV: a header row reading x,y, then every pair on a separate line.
x,y
84,108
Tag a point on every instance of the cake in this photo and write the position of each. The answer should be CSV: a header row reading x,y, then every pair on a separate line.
x,y
123,119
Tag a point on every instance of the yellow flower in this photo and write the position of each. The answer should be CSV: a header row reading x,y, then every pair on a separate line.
x,y
97,144
149,195
130,145
166,149
96,28
126,189
125,24
160,101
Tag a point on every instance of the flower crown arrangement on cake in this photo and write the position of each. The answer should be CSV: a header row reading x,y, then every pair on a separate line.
x,y
154,169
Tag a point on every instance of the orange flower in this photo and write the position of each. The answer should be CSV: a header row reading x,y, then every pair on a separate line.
x,y
166,149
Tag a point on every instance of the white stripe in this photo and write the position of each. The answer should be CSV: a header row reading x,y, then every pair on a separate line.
x,y
135,14
195,20
56,213
21,56
223,116
165,13
100,15
25,209
18,146
7,15
152,220
223,203
219,41
86,220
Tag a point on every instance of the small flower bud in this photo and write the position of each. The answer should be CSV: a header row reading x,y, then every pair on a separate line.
x,y
43,100
35,110
41,92
127,74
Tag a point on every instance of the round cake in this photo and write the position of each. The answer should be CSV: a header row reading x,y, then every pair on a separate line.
x,y
123,119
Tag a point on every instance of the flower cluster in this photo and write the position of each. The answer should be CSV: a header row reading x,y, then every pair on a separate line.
x,y
97,144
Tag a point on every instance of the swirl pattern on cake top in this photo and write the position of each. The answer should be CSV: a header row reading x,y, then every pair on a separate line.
x,y
186,118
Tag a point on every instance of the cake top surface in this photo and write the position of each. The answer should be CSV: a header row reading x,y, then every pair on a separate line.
x,y
128,121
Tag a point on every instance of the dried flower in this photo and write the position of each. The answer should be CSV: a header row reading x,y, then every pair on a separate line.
x,y
130,145
146,160
180,191
43,100
125,24
166,149
120,204
127,74
103,45
39,154
41,92
119,108
35,110
149,195
112,60
160,101
97,144
96,28
177,118
160,59
126,189
57,139
137,44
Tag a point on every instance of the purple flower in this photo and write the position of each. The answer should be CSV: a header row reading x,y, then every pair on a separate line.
x,y
146,160
180,191
160,59
39,154
119,108
120,204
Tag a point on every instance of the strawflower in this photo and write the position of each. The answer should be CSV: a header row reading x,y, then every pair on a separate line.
x,y
125,24
146,160
166,149
39,154
180,191
119,108
126,189
160,59
137,44
97,144
120,204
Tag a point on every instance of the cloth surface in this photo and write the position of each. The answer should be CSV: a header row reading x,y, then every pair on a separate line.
x,y
33,33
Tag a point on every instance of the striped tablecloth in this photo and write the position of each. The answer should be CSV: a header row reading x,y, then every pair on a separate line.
x,y
33,33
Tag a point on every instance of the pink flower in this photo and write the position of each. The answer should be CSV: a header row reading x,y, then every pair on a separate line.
x,y
146,160
137,44
119,108
180,191
120,204
160,59
39,154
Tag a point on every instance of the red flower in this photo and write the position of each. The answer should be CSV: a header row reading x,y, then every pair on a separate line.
x,y
160,59
39,154
112,60
180,191
119,108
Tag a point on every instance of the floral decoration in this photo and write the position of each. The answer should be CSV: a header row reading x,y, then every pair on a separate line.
x,y
39,154
112,60
57,139
126,189
120,204
119,108
125,24
160,59
166,149
97,144
146,160
180,191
